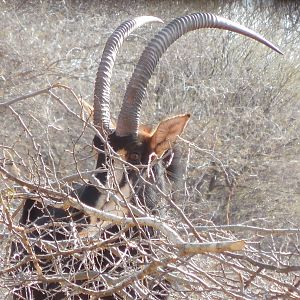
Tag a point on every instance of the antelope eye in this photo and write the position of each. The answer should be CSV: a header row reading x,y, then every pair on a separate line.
x,y
134,157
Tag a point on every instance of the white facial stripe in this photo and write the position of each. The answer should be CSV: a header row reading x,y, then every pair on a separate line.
x,y
107,204
114,208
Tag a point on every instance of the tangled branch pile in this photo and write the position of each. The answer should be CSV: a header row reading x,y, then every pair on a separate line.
x,y
229,230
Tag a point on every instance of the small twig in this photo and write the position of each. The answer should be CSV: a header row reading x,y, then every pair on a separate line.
x,y
243,228
39,92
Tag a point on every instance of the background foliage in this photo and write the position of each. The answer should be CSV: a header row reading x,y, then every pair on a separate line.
x,y
242,144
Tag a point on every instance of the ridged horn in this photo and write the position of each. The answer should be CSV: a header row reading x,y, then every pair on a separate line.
x,y
128,119
104,73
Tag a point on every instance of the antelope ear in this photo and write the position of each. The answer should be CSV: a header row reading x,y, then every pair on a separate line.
x,y
165,134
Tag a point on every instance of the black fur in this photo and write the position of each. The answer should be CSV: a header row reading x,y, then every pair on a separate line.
x,y
36,215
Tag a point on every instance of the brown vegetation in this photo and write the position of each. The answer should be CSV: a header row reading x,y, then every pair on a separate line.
x,y
242,145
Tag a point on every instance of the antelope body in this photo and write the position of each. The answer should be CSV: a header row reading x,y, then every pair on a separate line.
x,y
149,149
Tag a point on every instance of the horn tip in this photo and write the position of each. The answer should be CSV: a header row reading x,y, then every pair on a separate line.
x,y
146,19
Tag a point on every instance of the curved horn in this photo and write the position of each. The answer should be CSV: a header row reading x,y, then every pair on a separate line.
x,y
102,83
128,119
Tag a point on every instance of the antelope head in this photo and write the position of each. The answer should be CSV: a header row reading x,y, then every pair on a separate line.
x,y
135,143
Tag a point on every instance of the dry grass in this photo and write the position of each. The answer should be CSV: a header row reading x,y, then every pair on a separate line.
x,y
243,155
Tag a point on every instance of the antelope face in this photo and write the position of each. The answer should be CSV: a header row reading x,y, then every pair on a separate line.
x,y
150,152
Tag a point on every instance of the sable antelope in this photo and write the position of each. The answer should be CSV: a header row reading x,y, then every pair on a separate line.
x,y
136,144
